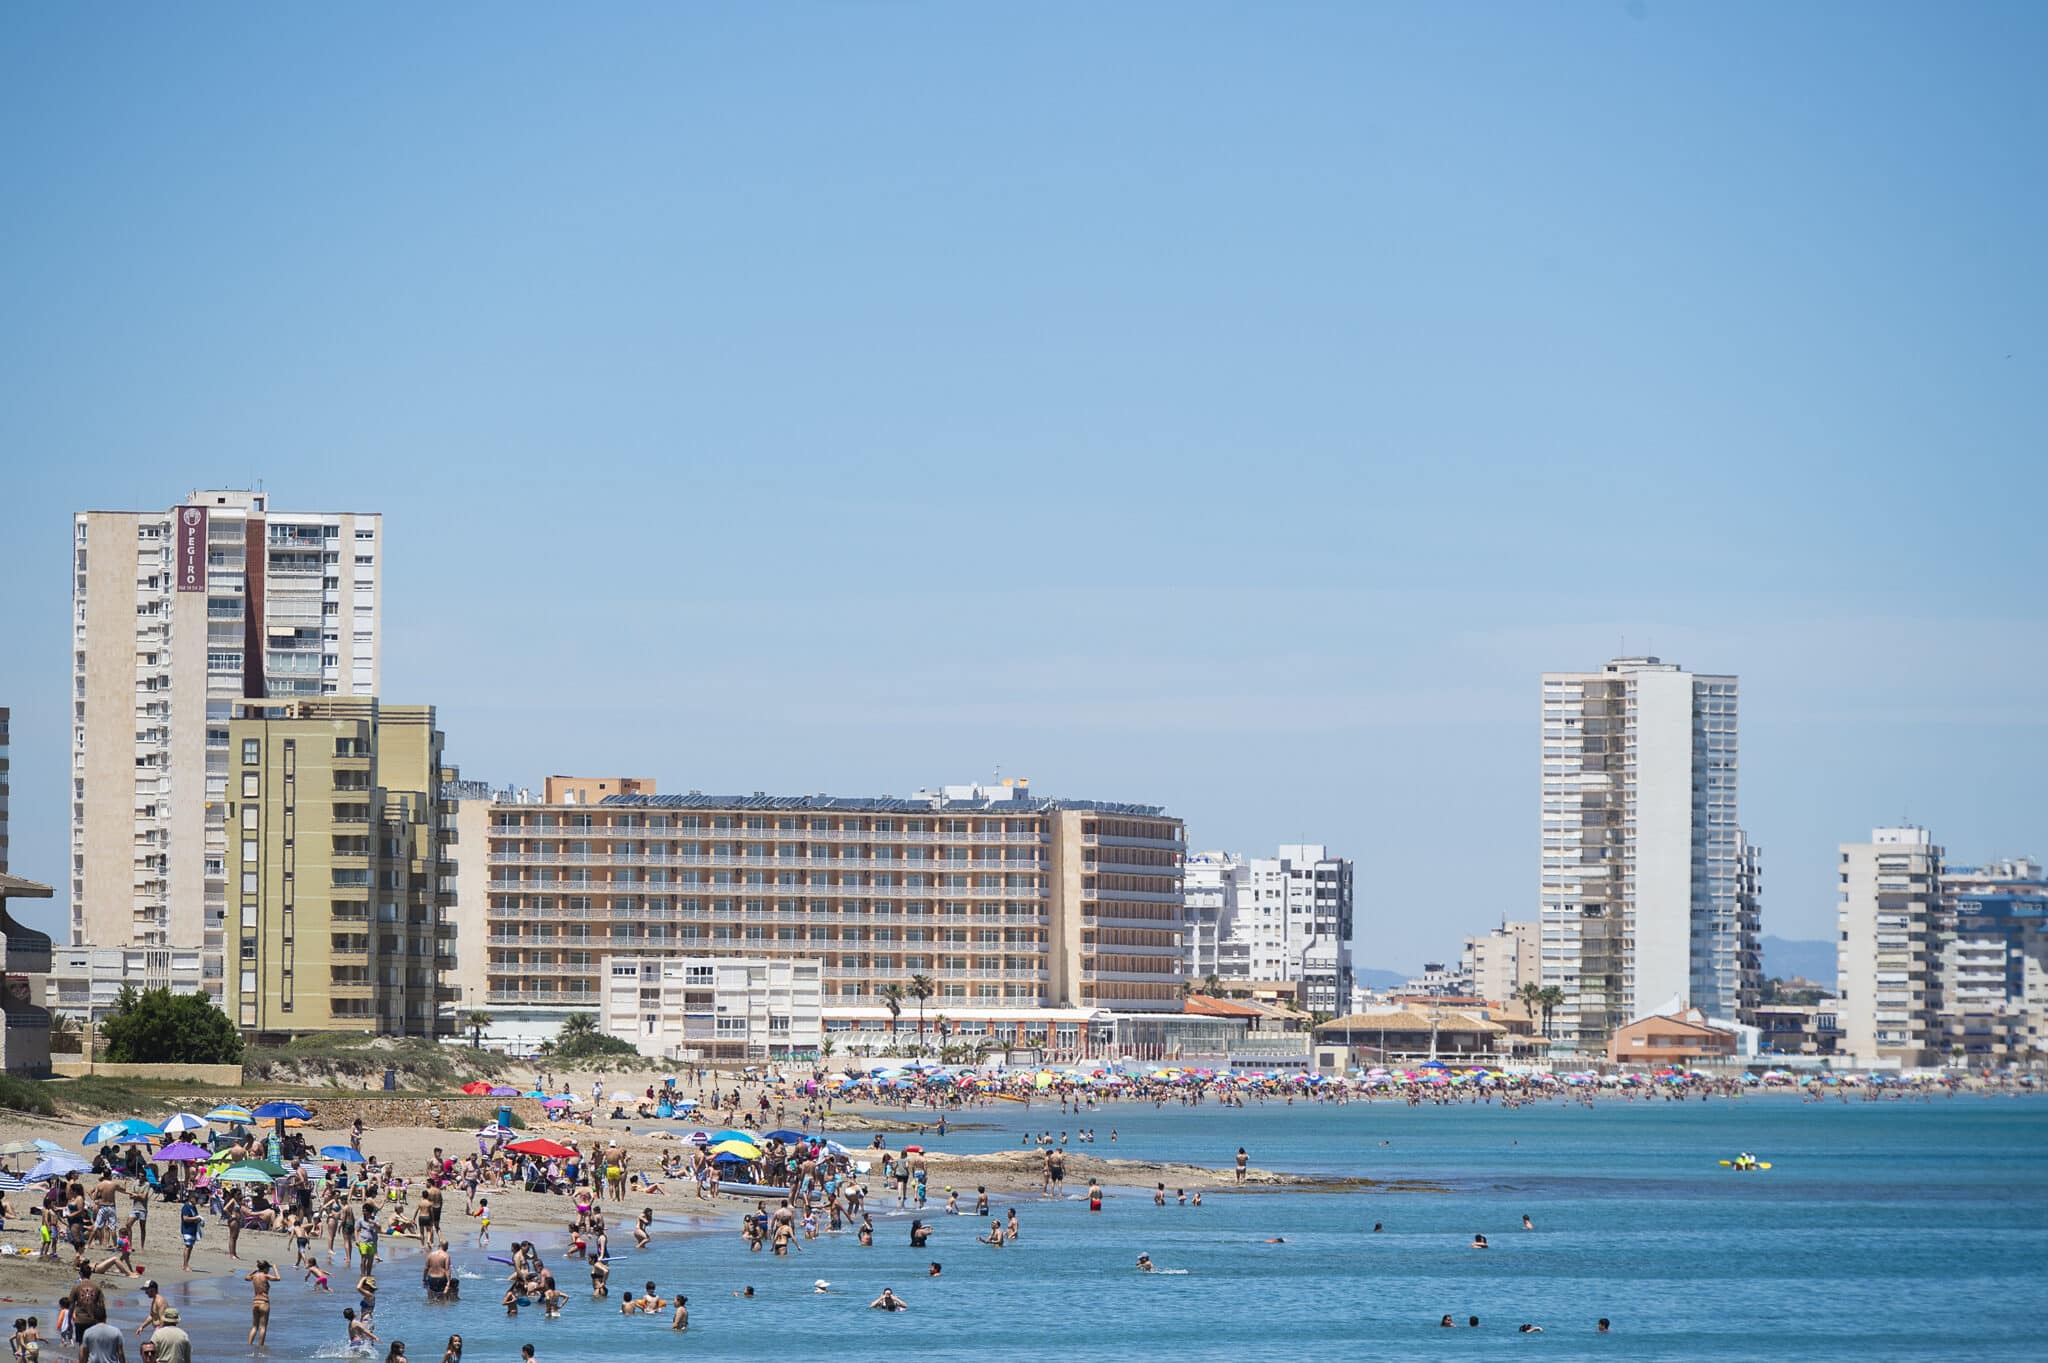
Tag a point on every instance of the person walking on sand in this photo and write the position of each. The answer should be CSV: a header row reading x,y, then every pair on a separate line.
x,y
188,1229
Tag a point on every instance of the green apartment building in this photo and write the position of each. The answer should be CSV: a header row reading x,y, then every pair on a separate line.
x,y
339,873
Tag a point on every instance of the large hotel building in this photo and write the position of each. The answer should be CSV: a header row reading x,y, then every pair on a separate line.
x,y
176,615
1030,917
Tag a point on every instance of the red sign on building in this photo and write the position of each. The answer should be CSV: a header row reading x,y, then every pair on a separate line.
x,y
191,568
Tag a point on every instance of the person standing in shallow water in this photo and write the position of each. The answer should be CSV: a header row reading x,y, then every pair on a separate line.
x,y
1243,1163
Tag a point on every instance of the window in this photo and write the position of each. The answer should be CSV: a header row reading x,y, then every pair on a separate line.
x,y
252,752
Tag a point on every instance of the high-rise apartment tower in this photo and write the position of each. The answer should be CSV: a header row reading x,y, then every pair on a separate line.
x,y
176,615
1643,861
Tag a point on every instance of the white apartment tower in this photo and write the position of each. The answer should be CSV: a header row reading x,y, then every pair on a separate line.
x,y
1889,955
177,614
1643,861
1210,882
1284,917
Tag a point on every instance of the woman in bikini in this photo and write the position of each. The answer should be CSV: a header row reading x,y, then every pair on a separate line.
x,y
260,1278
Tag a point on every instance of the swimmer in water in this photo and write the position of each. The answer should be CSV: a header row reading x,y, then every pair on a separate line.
x,y
1377,1228
1600,1327
1479,1242
1145,1263
933,1271
1447,1323
1527,1224
1528,1329
1276,1240
888,1301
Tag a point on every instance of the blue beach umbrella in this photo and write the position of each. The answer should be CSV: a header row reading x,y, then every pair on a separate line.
x,y
281,1111
183,1122
729,1158
231,1113
126,1129
731,1135
55,1166
347,1154
786,1135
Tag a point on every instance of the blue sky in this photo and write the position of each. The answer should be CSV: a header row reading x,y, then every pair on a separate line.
x,y
1229,406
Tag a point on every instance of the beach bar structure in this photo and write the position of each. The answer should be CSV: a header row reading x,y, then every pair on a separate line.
x,y
1402,1035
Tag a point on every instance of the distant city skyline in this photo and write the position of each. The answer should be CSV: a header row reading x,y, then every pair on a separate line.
x,y
1235,411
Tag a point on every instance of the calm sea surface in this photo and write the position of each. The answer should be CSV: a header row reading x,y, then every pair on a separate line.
x,y
1897,1230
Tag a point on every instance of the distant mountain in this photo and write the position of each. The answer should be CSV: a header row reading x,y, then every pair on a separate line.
x,y
1784,958
1379,980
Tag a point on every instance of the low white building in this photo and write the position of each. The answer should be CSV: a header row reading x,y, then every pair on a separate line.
x,y
85,981
713,1007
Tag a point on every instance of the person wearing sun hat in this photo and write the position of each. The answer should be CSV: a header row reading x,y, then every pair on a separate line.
x,y
172,1344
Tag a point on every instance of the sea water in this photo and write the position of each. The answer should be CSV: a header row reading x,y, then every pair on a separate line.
x,y
1889,1230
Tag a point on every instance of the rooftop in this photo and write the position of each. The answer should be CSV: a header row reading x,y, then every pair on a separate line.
x,y
922,803
1404,1021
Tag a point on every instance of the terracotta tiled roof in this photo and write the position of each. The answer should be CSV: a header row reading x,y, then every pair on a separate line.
x,y
1405,1021
1203,1005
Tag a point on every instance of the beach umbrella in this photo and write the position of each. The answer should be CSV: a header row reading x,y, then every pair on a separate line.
x,y
554,1102
835,1148
493,1132
183,1122
231,1113
742,1149
541,1146
785,1135
732,1134
533,1093
347,1154
55,1166
728,1157
181,1152
243,1173
477,1086
280,1111
698,1138
126,1129
502,1091
34,1147
268,1168
684,1104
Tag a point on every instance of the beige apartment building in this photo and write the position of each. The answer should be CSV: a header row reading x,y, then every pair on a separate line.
x,y
176,615
1010,903
1506,958
1888,960
342,881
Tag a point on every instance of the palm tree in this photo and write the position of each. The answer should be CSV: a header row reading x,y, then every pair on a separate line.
x,y
921,988
1550,997
1210,982
892,999
477,1021
577,1025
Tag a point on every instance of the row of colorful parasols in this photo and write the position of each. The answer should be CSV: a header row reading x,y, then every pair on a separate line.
x,y
171,1147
